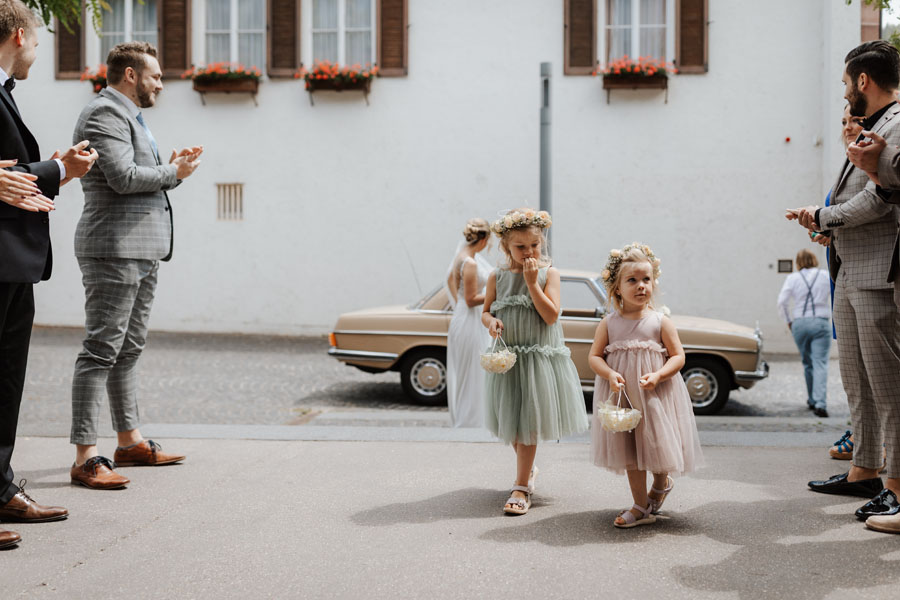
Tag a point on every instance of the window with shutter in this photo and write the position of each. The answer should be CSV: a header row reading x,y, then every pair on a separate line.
x,y
692,52
393,41
175,37
639,28
580,46
284,38
342,32
69,50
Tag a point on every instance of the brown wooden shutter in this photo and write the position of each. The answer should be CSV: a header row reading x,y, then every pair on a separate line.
x,y
871,22
691,37
283,51
393,41
580,21
69,50
174,36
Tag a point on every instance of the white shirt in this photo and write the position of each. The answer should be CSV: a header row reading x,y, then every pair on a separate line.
x,y
133,109
62,167
810,298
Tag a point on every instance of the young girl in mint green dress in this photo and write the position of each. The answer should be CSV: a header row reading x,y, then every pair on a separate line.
x,y
540,397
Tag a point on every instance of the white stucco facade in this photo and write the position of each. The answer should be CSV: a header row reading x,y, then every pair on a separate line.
x,y
343,202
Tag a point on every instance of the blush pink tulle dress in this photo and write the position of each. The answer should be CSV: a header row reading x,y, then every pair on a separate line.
x,y
665,440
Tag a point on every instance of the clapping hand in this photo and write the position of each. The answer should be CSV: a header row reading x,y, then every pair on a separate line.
x,y
19,190
77,160
530,271
864,154
186,161
649,381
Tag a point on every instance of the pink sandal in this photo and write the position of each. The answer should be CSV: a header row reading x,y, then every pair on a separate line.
x,y
656,505
632,521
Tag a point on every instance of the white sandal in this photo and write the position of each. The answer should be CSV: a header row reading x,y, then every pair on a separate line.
x,y
656,505
632,521
518,506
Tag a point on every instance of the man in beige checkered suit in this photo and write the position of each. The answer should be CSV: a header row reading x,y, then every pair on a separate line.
x,y
863,226
124,231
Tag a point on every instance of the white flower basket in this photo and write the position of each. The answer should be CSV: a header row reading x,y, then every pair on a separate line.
x,y
617,418
498,360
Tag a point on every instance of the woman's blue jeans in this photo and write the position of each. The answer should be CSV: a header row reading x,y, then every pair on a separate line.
x,y
813,338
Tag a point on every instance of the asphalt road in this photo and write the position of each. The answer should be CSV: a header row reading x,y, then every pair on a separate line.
x,y
262,380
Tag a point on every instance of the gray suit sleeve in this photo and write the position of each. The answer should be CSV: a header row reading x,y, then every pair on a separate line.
x,y
864,207
110,135
889,172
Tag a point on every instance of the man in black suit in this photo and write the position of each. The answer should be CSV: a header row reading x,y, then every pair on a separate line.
x,y
25,254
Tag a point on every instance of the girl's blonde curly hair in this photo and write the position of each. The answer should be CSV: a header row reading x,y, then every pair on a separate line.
x,y
632,253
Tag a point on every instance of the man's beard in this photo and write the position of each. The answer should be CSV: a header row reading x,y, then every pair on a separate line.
x,y
144,96
858,103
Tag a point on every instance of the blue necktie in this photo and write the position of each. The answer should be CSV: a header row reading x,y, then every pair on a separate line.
x,y
140,119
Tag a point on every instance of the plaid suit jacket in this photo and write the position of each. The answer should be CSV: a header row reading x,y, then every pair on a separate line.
x,y
889,174
126,213
864,226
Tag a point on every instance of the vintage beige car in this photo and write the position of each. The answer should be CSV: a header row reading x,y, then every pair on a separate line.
x,y
721,356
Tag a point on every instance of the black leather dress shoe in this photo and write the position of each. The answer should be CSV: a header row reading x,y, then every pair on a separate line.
x,y
838,484
885,504
820,411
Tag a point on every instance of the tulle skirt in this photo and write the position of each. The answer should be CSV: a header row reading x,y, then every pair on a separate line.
x,y
666,439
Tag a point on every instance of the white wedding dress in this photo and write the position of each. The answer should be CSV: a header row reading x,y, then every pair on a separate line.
x,y
467,338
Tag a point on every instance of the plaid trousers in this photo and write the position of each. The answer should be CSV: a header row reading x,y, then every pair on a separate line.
x,y
118,296
868,335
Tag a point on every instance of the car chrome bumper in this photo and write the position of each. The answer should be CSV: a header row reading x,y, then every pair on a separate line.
x,y
751,377
362,355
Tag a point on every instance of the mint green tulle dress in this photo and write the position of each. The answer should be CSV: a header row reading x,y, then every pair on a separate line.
x,y
540,397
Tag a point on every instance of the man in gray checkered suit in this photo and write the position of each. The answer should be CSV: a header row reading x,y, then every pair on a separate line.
x,y
124,231
863,226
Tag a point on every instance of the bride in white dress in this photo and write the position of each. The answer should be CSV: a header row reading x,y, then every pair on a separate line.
x,y
467,338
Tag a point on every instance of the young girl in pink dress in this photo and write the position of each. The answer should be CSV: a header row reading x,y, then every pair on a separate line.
x,y
636,348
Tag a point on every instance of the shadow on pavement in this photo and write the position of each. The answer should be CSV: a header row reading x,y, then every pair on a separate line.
x,y
33,478
369,395
468,503
765,560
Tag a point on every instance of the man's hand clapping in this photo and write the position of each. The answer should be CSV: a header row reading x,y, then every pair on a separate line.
x,y
864,154
19,190
186,161
77,160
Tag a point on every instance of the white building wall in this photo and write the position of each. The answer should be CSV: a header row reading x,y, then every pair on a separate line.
x,y
347,204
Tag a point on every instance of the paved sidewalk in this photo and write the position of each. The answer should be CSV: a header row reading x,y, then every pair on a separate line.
x,y
301,519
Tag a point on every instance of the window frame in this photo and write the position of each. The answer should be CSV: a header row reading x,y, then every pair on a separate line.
x,y
234,32
603,38
308,31
92,44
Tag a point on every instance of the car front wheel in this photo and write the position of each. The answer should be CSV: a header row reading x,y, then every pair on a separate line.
x,y
423,375
708,384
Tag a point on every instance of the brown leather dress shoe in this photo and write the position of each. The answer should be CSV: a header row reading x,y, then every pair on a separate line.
x,y
147,453
97,473
9,538
23,509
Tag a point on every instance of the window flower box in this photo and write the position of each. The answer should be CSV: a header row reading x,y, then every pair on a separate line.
x,y
333,77
97,78
628,74
224,78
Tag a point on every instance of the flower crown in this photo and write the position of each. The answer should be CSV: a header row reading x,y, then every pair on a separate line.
x,y
516,219
614,262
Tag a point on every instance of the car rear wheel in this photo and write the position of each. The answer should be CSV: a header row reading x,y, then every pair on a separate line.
x,y
423,375
708,384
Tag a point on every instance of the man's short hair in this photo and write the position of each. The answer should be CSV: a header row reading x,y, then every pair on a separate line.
x,y
122,56
878,59
14,15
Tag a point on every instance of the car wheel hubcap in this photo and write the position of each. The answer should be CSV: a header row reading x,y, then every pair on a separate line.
x,y
429,376
702,386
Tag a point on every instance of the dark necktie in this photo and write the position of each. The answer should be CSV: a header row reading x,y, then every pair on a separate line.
x,y
10,85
